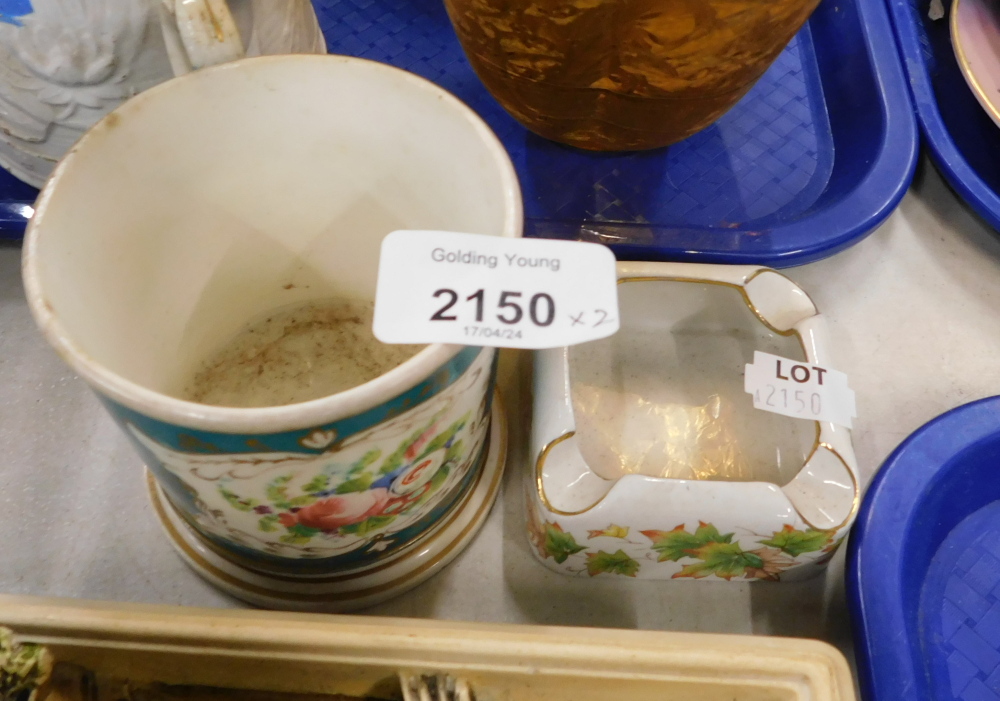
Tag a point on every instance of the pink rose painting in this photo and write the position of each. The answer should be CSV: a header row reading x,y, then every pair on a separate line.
x,y
341,510
307,506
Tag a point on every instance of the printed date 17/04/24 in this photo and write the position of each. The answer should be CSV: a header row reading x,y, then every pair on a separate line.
x,y
491,332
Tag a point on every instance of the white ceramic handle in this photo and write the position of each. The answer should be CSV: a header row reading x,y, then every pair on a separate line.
x,y
199,33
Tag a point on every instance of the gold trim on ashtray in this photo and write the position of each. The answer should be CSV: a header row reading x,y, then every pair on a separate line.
x,y
757,312
855,502
741,287
544,452
540,465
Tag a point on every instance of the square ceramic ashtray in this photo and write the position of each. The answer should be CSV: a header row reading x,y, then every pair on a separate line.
x,y
650,458
111,652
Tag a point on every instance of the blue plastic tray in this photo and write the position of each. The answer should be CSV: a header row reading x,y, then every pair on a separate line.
x,y
16,200
924,564
811,160
964,141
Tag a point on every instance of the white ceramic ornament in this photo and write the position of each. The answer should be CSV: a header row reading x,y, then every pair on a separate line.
x,y
64,64
743,494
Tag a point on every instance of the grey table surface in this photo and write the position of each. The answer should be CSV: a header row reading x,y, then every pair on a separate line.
x,y
913,315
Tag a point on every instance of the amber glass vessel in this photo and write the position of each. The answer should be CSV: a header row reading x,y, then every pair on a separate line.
x,y
611,75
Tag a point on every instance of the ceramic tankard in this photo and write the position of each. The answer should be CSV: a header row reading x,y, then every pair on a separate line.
x,y
66,63
249,187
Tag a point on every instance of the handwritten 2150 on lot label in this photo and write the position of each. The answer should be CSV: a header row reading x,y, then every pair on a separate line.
x,y
477,290
799,389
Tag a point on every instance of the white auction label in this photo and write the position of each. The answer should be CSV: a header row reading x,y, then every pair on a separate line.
x,y
477,290
799,389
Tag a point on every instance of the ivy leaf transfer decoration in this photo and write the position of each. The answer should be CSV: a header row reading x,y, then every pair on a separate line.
x,y
794,542
611,563
559,545
678,543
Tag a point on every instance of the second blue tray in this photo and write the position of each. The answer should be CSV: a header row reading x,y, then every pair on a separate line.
x,y
923,569
964,141
811,160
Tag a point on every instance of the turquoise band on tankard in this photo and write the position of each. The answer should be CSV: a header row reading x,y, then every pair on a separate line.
x,y
337,496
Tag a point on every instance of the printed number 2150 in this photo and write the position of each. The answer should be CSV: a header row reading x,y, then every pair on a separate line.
x,y
541,307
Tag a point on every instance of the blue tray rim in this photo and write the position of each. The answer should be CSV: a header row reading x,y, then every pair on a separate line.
x,y
887,180
949,160
879,623
825,231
